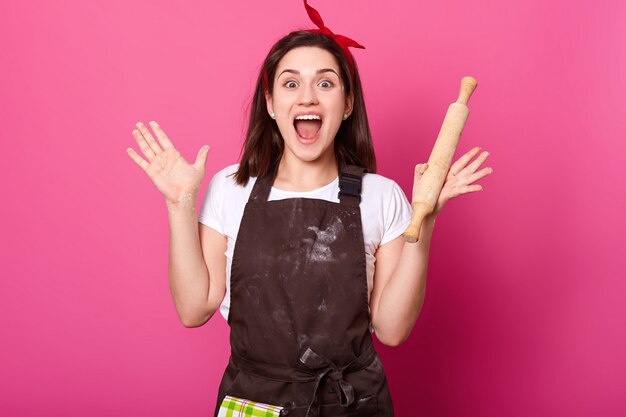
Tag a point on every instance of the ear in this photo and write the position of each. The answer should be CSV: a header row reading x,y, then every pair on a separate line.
x,y
349,104
268,102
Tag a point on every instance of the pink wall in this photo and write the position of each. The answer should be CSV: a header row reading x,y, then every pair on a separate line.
x,y
524,313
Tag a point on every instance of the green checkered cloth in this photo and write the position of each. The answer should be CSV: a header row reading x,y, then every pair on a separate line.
x,y
238,407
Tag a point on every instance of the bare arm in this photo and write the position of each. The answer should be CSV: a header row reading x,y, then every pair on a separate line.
x,y
400,285
197,266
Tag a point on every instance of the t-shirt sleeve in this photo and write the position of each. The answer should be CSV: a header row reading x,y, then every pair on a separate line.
x,y
211,213
397,216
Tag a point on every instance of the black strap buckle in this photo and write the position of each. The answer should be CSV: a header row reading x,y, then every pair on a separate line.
x,y
350,184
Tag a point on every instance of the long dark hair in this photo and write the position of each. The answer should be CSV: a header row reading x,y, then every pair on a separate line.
x,y
263,147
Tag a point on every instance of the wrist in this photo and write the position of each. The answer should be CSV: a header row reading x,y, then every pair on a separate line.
x,y
185,202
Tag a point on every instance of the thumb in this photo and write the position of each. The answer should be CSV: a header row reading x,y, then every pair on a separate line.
x,y
202,156
420,169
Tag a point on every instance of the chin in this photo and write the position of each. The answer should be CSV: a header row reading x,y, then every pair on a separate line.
x,y
307,155
308,152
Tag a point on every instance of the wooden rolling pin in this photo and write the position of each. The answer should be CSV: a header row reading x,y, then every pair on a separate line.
x,y
432,180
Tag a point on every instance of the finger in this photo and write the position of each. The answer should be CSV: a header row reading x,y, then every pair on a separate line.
x,y
478,175
138,159
475,164
201,158
160,134
462,161
143,145
465,189
149,138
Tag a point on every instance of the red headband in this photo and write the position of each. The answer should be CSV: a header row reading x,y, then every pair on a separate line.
x,y
342,41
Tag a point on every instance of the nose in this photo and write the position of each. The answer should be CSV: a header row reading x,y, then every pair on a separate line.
x,y
308,95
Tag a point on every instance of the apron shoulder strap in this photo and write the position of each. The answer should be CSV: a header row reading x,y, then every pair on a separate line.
x,y
263,185
350,179
261,189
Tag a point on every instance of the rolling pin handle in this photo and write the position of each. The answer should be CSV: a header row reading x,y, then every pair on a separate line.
x,y
468,85
420,211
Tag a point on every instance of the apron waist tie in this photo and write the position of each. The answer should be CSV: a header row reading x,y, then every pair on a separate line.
x,y
319,367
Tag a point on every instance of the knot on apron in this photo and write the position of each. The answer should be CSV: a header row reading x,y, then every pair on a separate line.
x,y
344,390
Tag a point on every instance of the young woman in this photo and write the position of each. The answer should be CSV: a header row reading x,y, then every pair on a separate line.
x,y
299,244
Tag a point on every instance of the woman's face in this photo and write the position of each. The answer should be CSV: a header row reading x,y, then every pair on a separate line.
x,y
307,83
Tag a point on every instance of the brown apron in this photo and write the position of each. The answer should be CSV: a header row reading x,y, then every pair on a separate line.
x,y
299,316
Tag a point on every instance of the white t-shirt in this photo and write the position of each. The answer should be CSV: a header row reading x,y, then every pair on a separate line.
x,y
385,213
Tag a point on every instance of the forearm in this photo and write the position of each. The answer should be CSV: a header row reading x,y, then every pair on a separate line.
x,y
402,298
187,270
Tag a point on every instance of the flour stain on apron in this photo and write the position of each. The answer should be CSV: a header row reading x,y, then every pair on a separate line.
x,y
320,250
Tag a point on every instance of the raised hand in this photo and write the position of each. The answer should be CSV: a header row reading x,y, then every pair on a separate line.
x,y
460,178
173,176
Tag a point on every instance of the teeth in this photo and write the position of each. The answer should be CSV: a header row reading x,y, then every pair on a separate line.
x,y
308,117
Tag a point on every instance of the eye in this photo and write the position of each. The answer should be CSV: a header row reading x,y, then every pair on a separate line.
x,y
328,84
290,84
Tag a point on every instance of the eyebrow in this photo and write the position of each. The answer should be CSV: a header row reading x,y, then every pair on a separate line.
x,y
319,71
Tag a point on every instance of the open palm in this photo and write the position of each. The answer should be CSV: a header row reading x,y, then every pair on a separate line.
x,y
459,179
173,176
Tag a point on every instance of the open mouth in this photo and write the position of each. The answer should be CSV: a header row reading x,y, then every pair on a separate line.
x,y
307,127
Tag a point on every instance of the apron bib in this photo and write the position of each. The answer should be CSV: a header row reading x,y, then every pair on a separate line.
x,y
299,314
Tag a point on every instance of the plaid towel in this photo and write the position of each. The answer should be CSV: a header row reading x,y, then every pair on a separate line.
x,y
238,407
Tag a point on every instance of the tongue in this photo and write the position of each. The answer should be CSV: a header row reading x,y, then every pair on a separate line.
x,y
307,128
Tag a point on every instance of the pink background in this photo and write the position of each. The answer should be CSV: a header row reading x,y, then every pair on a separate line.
x,y
524,312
